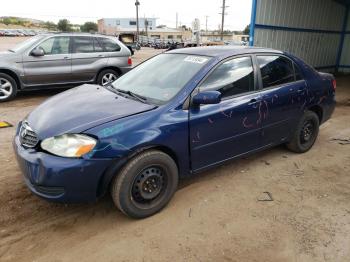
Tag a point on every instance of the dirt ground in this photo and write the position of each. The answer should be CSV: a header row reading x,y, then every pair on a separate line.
x,y
215,216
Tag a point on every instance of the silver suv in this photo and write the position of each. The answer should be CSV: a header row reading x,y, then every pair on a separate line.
x,y
66,59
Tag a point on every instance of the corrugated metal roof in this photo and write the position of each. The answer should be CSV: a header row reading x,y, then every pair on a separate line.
x,y
311,14
310,29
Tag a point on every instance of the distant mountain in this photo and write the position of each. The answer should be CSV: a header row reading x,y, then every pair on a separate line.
x,y
30,20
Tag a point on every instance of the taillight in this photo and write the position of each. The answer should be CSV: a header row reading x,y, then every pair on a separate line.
x,y
129,61
334,83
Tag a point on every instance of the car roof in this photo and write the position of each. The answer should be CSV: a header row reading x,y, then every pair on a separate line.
x,y
74,34
223,51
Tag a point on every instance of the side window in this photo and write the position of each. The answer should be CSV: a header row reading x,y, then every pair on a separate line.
x,y
231,78
275,70
109,45
55,45
83,45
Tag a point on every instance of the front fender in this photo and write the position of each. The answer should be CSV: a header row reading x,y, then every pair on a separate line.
x,y
126,137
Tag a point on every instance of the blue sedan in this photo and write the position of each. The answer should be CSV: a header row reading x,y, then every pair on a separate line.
x,y
176,114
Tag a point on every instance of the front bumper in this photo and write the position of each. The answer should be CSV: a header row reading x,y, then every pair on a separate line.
x,y
59,179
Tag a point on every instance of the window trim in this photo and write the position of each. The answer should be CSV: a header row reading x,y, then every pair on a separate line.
x,y
300,71
261,86
55,36
256,86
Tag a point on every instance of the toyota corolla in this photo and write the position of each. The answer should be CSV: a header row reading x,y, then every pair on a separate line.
x,y
177,114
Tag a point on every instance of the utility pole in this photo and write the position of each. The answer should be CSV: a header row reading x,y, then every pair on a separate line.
x,y
206,24
223,19
177,17
137,3
146,26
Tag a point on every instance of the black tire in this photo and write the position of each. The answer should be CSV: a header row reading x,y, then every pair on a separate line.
x,y
305,134
125,188
13,89
105,72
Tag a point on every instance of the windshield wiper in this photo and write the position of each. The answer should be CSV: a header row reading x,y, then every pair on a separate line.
x,y
129,93
11,50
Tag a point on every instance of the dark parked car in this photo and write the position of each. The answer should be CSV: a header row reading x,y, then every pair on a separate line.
x,y
56,60
176,114
9,33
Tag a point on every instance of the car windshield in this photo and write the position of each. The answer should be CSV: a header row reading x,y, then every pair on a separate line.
x,y
26,44
160,78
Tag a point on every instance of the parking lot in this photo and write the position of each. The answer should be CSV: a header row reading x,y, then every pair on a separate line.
x,y
214,216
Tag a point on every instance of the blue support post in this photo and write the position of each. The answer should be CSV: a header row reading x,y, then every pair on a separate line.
x,y
252,23
341,45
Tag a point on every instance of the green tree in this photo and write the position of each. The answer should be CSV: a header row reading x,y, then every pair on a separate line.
x,y
50,26
64,25
7,20
246,30
89,27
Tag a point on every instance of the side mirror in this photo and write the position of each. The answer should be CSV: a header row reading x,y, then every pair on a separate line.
x,y
37,52
207,98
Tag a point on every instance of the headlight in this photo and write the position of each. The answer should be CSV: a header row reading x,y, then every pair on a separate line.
x,y
69,145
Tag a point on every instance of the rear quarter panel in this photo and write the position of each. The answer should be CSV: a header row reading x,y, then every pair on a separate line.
x,y
319,92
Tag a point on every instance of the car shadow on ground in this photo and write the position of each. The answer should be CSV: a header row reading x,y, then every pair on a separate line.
x,y
106,206
32,94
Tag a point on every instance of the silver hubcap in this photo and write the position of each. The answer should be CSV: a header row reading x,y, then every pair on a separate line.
x,y
108,79
5,88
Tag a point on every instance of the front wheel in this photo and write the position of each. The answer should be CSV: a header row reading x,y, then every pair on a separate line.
x,y
305,134
145,185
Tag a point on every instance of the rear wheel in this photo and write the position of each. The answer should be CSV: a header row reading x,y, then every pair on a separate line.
x,y
306,133
145,185
107,77
8,87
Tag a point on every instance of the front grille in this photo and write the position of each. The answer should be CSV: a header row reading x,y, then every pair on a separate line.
x,y
27,136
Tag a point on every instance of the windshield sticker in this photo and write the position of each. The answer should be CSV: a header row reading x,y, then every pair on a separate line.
x,y
196,59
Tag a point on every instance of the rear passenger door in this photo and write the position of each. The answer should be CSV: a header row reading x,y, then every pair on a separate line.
x,y
283,96
87,58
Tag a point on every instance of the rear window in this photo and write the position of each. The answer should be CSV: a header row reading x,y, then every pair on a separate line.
x,y
109,45
275,70
86,45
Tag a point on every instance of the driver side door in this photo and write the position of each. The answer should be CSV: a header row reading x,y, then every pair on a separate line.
x,y
54,67
219,132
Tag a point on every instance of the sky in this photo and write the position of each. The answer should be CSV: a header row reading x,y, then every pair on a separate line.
x,y
80,11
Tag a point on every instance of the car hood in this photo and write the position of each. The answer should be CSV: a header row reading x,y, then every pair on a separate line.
x,y
6,54
81,108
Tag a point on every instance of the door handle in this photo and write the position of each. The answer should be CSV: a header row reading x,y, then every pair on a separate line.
x,y
301,90
101,56
253,101
66,57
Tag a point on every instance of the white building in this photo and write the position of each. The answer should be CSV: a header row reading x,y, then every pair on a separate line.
x,y
111,26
